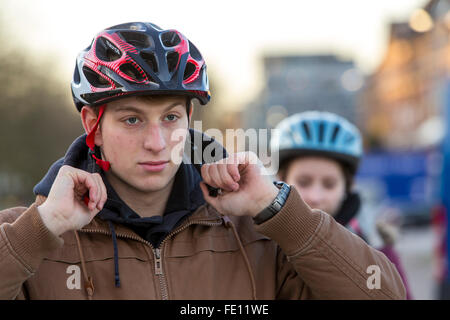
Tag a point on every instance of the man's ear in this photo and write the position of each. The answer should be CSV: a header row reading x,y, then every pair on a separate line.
x,y
89,118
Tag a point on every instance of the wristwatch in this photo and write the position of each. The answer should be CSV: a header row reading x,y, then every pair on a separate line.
x,y
276,204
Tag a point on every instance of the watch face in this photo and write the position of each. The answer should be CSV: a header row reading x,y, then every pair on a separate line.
x,y
278,184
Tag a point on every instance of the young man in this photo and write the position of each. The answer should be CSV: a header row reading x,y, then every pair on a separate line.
x,y
121,214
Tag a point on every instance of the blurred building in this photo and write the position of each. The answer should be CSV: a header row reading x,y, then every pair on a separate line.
x,y
401,103
299,83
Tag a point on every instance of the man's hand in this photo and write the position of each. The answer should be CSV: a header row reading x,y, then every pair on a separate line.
x,y
64,209
245,191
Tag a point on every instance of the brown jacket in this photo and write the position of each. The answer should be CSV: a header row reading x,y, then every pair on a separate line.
x,y
209,256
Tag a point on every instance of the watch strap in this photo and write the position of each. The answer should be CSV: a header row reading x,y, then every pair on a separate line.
x,y
276,205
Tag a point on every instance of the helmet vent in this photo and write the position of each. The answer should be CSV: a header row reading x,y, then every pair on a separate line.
x,y
170,39
335,133
95,79
349,139
321,131
193,51
107,51
76,75
189,71
129,26
149,57
306,130
136,39
131,71
172,60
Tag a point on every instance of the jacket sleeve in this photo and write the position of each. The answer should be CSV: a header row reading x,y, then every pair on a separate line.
x,y
24,242
331,262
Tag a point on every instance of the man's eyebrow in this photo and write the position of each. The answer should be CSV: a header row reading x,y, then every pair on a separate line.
x,y
128,108
173,105
137,110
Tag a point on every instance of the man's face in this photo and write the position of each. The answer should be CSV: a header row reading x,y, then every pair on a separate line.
x,y
137,138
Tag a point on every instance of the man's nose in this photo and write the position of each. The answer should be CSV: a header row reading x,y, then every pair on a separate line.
x,y
154,140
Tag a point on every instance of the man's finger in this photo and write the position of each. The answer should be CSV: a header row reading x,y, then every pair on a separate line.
x,y
208,198
233,170
206,175
104,194
100,188
90,183
83,181
226,178
216,178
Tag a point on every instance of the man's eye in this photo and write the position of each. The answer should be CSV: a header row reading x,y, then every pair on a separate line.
x,y
171,117
132,120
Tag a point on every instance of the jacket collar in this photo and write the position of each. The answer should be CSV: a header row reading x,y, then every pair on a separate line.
x,y
204,214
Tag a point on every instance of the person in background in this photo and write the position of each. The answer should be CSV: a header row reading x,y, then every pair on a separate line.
x,y
319,153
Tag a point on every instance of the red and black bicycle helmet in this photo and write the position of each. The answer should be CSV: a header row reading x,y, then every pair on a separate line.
x,y
138,58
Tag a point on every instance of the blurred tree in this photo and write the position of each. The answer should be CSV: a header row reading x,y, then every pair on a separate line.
x,y
38,120
217,114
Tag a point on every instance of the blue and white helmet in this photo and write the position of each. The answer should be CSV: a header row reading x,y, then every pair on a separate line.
x,y
318,133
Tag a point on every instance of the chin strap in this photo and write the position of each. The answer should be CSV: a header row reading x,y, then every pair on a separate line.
x,y
90,141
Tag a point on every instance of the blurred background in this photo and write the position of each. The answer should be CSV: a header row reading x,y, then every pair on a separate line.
x,y
385,65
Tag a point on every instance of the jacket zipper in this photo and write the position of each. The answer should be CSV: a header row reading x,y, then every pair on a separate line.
x,y
158,267
160,274
157,251
162,278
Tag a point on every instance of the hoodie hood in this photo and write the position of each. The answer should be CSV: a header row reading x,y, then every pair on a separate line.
x,y
77,156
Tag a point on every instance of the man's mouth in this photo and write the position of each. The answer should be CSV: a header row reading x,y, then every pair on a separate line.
x,y
153,166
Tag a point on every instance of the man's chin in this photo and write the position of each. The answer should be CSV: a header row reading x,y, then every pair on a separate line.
x,y
157,184
145,183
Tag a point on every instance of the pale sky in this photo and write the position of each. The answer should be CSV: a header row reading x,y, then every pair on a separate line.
x,y
232,35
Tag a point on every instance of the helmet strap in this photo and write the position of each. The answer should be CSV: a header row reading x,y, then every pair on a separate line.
x,y
90,141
